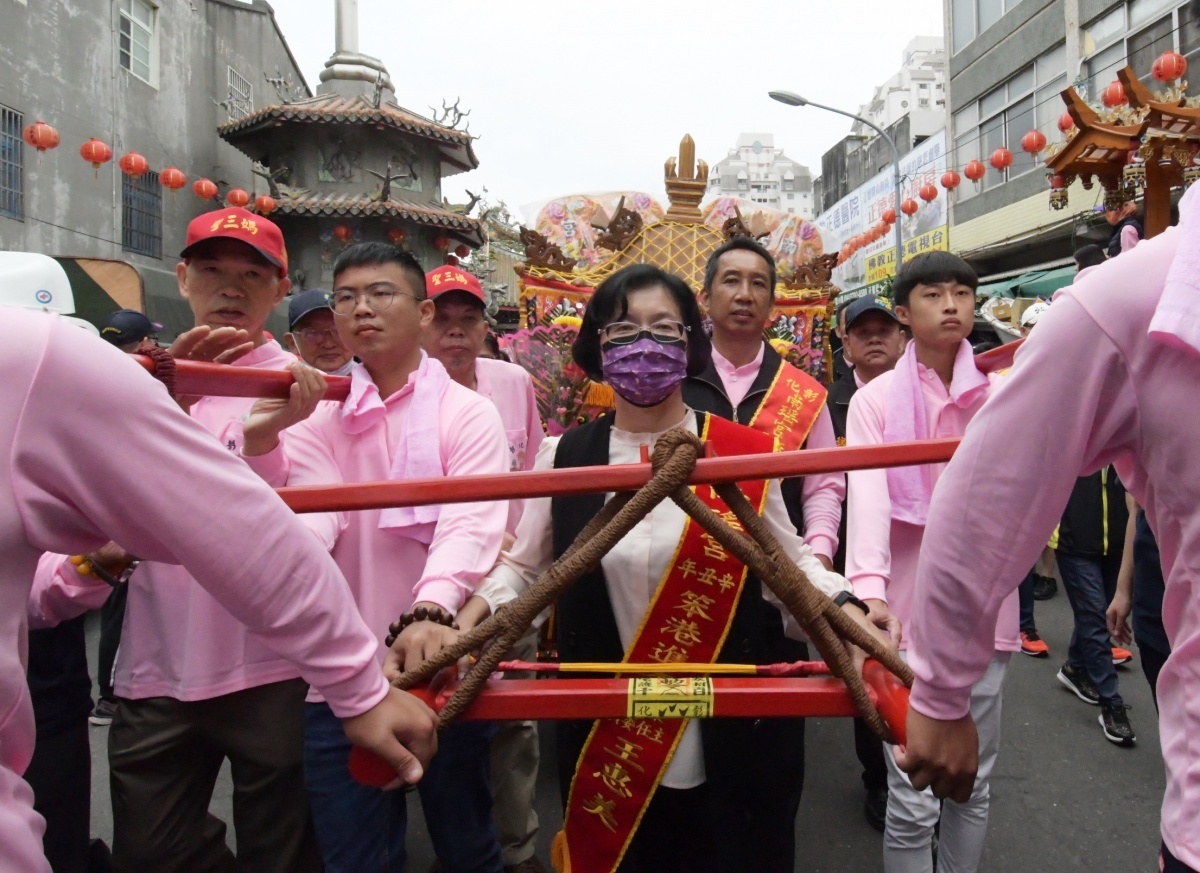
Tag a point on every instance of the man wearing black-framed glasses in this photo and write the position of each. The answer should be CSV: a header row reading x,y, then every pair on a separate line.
x,y
312,335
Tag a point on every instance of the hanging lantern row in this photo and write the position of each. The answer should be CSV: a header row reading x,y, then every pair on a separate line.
x,y
41,136
1169,67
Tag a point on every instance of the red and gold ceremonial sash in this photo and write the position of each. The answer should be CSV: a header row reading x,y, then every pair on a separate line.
x,y
689,617
790,409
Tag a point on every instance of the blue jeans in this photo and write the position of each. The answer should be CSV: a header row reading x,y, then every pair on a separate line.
x,y
361,830
1091,646
1025,598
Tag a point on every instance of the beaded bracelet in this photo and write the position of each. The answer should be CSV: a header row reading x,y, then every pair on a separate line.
x,y
422,613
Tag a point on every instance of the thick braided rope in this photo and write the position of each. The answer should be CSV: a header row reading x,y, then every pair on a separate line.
x,y
673,460
164,367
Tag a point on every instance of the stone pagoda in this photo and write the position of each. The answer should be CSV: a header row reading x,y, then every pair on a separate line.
x,y
351,165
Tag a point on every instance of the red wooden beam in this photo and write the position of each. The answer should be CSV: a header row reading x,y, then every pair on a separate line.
x,y
204,379
540,699
615,477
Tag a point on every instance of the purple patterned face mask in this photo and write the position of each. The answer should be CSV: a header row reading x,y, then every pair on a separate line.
x,y
644,372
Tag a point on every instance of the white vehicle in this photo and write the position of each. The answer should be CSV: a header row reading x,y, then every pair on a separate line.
x,y
33,281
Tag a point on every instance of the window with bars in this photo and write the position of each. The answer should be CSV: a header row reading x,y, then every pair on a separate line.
x,y
12,163
141,215
241,96
136,40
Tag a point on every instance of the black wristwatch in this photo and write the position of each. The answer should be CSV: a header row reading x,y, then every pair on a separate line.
x,y
845,597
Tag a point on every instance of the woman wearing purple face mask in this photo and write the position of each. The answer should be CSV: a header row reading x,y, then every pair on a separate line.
x,y
662,795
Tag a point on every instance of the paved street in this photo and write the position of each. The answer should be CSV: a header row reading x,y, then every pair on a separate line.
x,y
1063,797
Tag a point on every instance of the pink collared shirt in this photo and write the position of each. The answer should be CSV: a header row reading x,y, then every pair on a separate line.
x,y
1089,387
881,552
76,475
388,572
510,389
177,640
821,495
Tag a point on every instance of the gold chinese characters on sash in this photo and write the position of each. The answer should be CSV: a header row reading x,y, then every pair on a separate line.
x,y
689,617
790,409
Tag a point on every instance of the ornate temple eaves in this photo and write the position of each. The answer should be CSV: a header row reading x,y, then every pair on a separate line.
x,y
464,227
252,133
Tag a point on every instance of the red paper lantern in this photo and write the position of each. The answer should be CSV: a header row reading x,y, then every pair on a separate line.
x,y
343,232
397,235
451,261
928,192
41,136
1001,159
441,242
1170,66
1033,142
1114,95
1066,122
173,178
205,189
237,197
95,153
462,250
133,164
909,206
889,216
974,170
264,204
951,180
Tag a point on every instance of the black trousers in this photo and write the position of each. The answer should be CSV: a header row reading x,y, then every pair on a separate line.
x,y
61,777
870,754
1171,864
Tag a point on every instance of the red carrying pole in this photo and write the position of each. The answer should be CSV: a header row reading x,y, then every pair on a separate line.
x,y
731,697
616,477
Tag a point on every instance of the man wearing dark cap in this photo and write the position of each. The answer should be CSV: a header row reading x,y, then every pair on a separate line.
x,y
312,335
130,331
195,687
872,343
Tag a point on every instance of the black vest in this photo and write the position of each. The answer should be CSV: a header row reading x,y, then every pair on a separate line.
x,y
754,767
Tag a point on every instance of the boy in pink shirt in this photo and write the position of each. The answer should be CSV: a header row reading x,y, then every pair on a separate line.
x,y
1109,376
404,418
194,503
934,391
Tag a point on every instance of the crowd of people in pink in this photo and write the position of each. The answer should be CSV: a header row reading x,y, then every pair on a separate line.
x,y
235,631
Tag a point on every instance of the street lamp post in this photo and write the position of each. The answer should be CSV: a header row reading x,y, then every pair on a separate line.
x,y
791,98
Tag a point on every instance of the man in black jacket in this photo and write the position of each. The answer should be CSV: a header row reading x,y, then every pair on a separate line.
x,y
872,342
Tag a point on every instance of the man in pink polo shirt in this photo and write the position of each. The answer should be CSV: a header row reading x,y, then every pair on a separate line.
x,y
456,337
1109,376
195,686
405,418
934,391
184,498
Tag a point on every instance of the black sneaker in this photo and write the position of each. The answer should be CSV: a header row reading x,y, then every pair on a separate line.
x,y
1044,587
1079,684
875,807
1115,722
102,715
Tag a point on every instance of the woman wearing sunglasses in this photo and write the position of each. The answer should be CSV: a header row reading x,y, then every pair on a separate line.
x,y
663,794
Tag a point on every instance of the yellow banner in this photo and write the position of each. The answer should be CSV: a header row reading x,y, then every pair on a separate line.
x,y
882,264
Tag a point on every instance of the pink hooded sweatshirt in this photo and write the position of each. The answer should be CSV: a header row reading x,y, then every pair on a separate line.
x,y
76,475
1110,376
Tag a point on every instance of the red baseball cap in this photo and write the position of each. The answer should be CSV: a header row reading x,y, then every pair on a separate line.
x,y
261,234
444,279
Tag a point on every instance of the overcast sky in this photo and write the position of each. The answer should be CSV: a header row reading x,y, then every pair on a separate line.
x,y
571,97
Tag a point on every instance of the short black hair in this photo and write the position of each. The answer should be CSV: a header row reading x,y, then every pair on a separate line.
x,y
610,302
370,254
738,243
932,268
1089,256
492,344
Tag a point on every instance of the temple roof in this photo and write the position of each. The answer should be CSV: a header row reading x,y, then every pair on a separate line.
x,y
253,132
469,230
